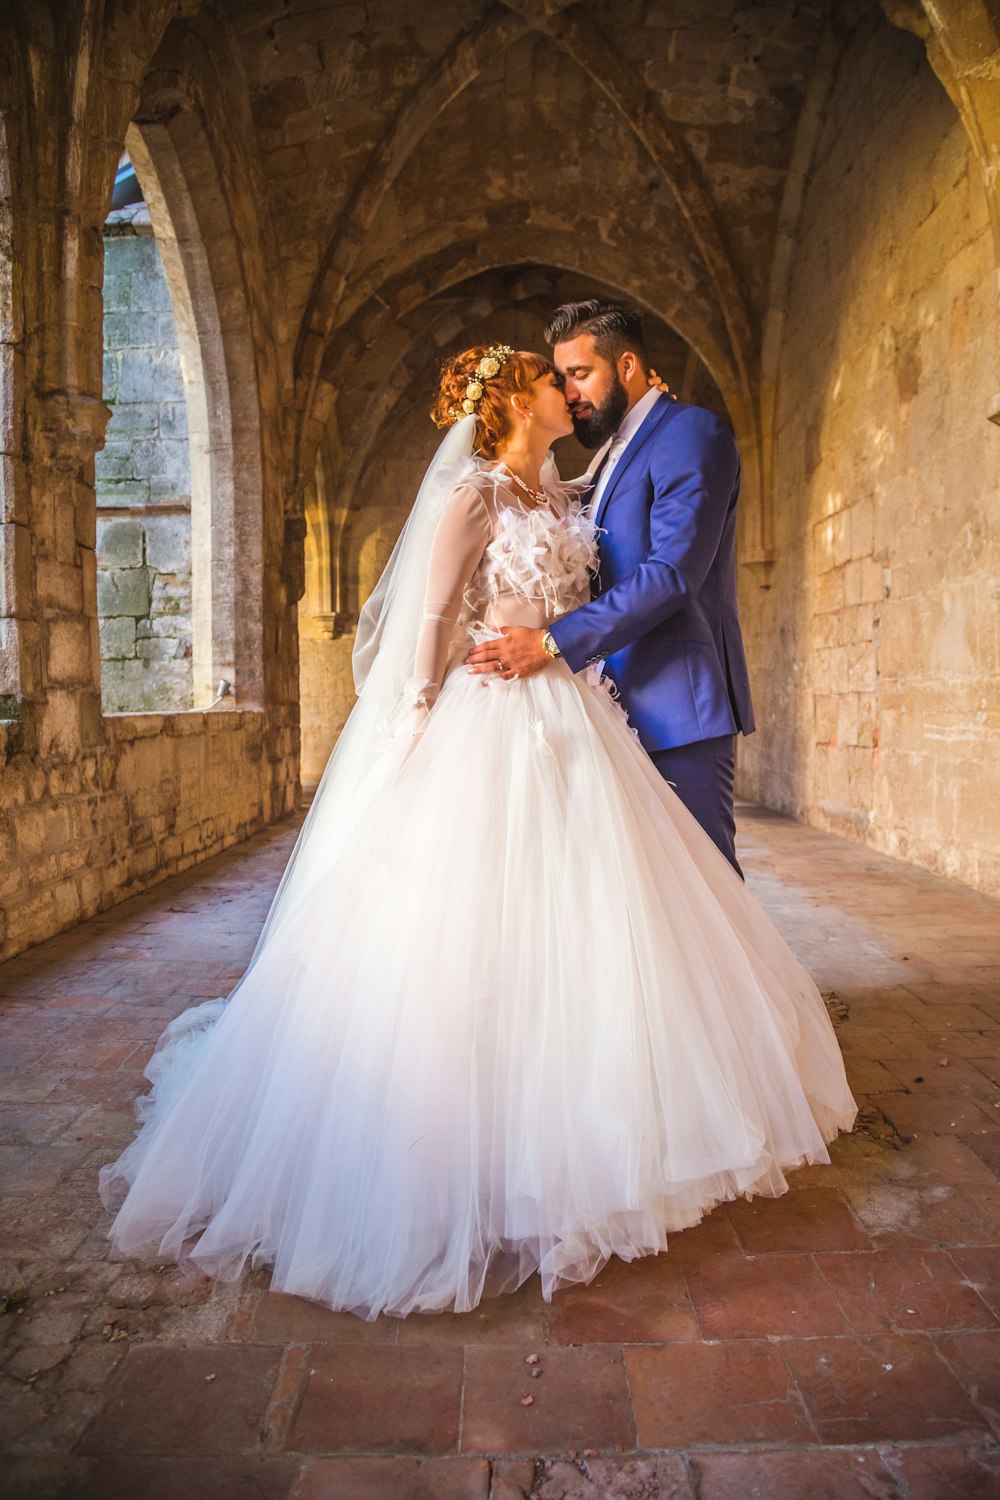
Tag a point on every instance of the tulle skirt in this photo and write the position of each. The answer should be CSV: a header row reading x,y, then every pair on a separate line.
x,y
528,1018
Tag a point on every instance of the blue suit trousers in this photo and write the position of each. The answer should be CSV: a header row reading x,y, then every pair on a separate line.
x,y
702,776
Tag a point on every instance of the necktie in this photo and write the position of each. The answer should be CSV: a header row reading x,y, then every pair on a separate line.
x,y
603,476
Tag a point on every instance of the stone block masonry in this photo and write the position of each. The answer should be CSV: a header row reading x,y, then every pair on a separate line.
x,y
144,557
804,196
161,793
874,655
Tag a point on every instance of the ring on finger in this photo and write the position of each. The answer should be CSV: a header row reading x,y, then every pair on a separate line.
x,y
500,665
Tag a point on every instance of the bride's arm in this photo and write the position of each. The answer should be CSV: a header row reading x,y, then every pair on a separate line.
x,y
461,538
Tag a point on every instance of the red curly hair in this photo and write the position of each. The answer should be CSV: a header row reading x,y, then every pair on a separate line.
x,y
493,413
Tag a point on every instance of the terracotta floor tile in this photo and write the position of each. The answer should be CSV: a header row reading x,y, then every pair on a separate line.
x,y
975,1359
764,1297
946,1473
959,1077
374,1398
162,1401
961,991
865,1075
906,1045
110,1054
38,1170
687,1395
898,1291
876,1010
820,1474
580,1400
986,1145
930,1160
935,1114
393,1479
804,1219
38,1477
108,1086
100,995
22,1086
891,1387
641,1302
705,1241
957,1016
943,1215
36,1124
224,1478
275,1318
981,1268
514,1318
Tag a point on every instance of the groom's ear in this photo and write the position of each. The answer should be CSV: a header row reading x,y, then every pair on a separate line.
x,y
629,365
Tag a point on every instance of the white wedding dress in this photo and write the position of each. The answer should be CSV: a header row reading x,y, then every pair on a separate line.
x,y
521,1014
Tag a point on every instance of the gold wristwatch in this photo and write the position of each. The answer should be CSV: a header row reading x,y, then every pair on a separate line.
x,y
550,646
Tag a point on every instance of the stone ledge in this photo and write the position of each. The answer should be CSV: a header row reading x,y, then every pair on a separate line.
x,y
124,727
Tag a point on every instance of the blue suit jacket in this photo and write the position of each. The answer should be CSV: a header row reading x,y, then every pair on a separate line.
x,y
664,609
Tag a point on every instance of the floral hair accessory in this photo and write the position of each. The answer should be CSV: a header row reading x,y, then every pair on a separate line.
x,y
489,366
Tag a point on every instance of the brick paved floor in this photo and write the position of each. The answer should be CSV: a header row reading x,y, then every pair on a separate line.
x,y
840,1342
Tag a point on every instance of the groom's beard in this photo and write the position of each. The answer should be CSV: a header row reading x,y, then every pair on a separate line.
x,y
599,422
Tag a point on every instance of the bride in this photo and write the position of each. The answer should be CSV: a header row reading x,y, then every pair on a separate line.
x,y
511,1010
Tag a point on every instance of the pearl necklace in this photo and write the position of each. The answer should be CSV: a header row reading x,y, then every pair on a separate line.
x,y
539,496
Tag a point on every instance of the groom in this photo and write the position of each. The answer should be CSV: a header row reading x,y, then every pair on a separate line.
x,y
664,609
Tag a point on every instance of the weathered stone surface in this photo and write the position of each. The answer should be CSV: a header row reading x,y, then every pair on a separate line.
x,y
168,545
118,637
876,682
119,544
147,448
791,196
123,591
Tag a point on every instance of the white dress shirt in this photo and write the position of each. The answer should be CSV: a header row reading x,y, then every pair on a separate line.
x,y
631,422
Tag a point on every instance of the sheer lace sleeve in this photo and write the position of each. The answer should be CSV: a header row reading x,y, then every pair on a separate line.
x,y
461,538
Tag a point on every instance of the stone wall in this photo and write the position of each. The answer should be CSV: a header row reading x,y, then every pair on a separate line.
x,y
143,487
339,218
161,793
874,656
326,680
94,805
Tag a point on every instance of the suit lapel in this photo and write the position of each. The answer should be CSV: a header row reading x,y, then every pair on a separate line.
x,y
662,409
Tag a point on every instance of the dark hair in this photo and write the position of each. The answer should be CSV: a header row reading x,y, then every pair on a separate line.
x,y
616,327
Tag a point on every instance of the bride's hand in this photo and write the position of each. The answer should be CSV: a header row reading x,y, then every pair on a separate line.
x,y
661,385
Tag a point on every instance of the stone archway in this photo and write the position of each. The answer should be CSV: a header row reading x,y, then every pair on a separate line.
x,y
963,47
342,269
178,169
386,388
94,806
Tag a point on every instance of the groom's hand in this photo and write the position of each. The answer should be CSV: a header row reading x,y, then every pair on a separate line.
x,y
519,654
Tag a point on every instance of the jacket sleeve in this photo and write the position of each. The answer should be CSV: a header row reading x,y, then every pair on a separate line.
x,y
462,536
694,475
